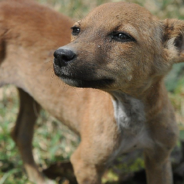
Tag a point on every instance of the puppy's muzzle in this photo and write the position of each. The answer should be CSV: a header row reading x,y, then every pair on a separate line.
x,y
63,56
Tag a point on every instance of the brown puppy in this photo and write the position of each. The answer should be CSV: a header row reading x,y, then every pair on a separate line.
x,y
122,49
29,33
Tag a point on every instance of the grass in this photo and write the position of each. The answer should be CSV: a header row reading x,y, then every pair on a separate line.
x,y
77,9
57,142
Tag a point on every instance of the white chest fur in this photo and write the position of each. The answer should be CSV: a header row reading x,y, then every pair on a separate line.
x,y
130,117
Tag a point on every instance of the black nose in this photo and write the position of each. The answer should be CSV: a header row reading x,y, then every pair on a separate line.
x,y
62,56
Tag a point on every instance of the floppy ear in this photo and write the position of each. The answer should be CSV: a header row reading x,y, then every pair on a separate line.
x,y
173,39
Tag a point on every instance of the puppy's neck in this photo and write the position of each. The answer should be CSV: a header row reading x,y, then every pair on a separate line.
x,y
127,111
149,102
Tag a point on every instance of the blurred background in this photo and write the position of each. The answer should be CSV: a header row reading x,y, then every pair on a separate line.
x,y
56,143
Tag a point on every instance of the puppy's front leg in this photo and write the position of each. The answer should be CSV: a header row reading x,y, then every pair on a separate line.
x,y
99,141
158,167
85,170
157,159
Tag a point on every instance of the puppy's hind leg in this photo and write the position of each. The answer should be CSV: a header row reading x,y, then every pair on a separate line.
x,y
22,134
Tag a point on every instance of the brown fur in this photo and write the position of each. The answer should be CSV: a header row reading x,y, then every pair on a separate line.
x,y
28,34
131,72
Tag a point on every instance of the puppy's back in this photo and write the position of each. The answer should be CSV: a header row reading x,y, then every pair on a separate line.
x,y
36,19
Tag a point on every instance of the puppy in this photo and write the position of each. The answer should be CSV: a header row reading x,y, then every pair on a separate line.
x,y
125,52
29,33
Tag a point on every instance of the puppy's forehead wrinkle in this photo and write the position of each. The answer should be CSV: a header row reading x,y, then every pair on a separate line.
x,y
121,17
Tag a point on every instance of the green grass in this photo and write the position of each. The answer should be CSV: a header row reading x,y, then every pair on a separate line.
x,y
57,142
10,161
77,9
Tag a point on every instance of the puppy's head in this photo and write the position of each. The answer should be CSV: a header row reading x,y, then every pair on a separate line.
x,y
120,46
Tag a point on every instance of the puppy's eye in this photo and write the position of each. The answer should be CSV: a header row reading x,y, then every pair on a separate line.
x,y
75,30
122,37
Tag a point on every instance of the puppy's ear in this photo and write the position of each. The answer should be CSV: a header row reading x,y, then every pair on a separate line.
x,y
173,39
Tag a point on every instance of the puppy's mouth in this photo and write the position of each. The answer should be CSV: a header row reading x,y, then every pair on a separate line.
x,y
86,83
82,81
